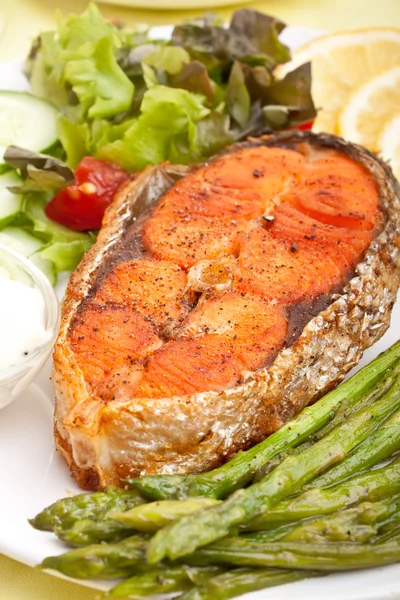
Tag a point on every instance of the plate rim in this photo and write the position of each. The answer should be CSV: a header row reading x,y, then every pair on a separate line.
x,y
175,5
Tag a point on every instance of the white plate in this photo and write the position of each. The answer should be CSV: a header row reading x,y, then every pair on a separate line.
x,y
174,4
32,475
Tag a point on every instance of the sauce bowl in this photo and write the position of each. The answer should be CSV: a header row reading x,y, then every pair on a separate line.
x,y
17,377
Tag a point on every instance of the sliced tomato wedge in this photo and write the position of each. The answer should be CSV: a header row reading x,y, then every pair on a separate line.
x,y
81,206
306,126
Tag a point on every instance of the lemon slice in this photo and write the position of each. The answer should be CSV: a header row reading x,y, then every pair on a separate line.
x,y
369,108
389,144
341,63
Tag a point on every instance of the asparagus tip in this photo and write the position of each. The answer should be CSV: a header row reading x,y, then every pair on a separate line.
x,y
155,552
51,562
40,524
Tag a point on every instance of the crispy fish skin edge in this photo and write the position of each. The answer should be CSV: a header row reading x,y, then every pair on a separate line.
x,y
104,442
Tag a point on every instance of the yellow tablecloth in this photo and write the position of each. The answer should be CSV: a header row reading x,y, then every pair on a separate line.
x,y
22,20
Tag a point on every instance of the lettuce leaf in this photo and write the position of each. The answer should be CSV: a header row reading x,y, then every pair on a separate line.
x,y
250,33
78,64
165,130
65,255
83,139
101,86
255,34
75,139
39,172
160,97
213,134
130,59
168,58
238,97
194,77
43,77
76,31
149,76
294,93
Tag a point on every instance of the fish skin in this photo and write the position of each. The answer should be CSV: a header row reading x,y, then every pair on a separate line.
x,y
106,442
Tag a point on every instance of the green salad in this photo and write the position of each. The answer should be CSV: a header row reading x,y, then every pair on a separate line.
x,y
103,90
136,101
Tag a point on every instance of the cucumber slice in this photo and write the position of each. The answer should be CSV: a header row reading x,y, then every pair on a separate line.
x,y
26,244
10,204
26,121
19,240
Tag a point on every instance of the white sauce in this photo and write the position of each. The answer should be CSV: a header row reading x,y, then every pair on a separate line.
x,y
22,321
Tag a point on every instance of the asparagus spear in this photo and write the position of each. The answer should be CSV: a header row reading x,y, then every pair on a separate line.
x,y
378,447
299,555
352,405
64,513
320,532
345,410
239,581
238,472
389,531
151,517
359,524
373,486
88,531
191,532
101,561
211,585
126,558
164,580
120,525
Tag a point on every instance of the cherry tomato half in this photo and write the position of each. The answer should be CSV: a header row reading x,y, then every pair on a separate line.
x,y
81,206
306,126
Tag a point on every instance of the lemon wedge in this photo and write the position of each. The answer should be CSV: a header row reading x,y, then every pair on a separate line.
x,y
369,108
389,144
340,64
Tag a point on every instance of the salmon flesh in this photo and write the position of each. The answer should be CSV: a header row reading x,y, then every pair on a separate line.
x,y
221,299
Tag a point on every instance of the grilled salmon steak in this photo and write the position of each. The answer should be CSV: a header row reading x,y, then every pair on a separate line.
x,y
221,299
